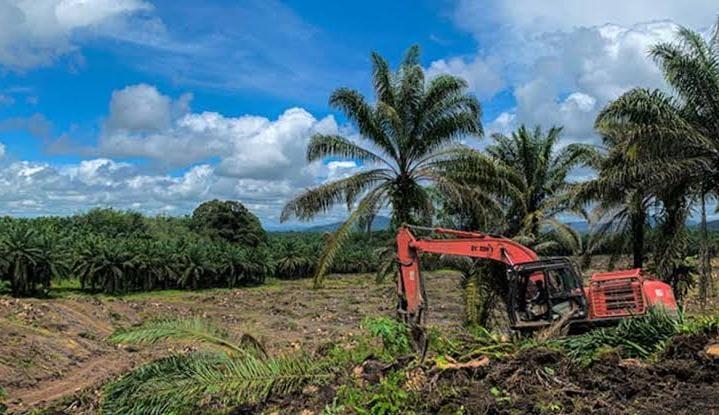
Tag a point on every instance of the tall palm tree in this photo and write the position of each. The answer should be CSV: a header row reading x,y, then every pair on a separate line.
x,y
675,137
410,135
621,212
543,169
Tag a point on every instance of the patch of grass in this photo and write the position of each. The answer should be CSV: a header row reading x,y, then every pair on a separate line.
x,y
352,351
394,335
389,396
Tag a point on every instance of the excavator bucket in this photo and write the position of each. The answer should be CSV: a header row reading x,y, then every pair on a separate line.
x,y
419,340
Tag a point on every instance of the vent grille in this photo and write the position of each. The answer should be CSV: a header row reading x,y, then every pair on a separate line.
x,y
620,297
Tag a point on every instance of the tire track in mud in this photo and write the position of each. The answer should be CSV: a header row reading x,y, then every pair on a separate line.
x,y
92,373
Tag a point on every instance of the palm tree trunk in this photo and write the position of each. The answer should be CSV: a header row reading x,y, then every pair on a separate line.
x,y
671,246
705,272
638,218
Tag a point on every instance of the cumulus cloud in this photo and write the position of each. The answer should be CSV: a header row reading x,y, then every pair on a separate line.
x,y
139,108
580,71
37,32
41,188
564,67
482,78
191,157
34,188
143,123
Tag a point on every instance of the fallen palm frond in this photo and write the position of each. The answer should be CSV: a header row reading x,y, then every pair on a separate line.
x,y
185,383
195,329
636,337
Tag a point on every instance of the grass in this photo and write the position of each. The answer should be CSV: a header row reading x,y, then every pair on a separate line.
x,y
70,288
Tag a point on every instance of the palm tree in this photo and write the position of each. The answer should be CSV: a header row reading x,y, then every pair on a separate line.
x,y
543,169
193,266
409,136
621,213
675,137
293,261
21,254
103,263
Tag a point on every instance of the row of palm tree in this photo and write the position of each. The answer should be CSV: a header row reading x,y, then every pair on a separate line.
x,y
31,259
36,252
659,160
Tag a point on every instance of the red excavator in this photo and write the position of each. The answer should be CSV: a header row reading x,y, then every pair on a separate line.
x,y
542,292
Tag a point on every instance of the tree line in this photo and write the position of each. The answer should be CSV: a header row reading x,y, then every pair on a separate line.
x,y
220,245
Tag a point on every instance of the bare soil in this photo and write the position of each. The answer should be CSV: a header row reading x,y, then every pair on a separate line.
x,y
54,351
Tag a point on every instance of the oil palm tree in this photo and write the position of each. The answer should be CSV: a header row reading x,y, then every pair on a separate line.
x,y
229,370
543,169
103,263
409,136
294,260
21,254
675,136
621,211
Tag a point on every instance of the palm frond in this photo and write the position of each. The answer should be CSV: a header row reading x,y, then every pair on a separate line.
x,y
367,206
194,329
322,198
185,384
322,146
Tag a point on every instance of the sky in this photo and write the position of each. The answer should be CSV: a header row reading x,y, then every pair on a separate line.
x,y
158,105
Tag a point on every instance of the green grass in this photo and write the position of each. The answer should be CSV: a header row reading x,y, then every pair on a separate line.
x,y
70,288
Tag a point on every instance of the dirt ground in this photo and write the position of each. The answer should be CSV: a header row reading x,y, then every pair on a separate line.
x,y
54,353
52,350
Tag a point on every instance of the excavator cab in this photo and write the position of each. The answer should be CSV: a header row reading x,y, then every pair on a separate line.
x,y
544,292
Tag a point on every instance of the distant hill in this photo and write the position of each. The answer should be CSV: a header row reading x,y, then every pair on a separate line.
x,y
380,223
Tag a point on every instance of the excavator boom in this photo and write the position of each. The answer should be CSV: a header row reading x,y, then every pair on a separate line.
x,y
410,285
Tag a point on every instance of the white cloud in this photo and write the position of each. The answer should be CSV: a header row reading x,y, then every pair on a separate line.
x,y
482,78
563,67
2,151
147,124
580,71
139,108
566,15
258,161
37,32
34,188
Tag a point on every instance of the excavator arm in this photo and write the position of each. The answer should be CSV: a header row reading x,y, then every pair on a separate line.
x,y
410,285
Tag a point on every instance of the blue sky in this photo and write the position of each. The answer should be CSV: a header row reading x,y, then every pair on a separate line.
x,y
156,105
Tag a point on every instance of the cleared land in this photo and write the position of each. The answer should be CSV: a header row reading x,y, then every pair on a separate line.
x,y
54,355
54,349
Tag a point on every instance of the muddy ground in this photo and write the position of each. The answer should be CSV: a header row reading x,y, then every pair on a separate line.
x,y
54,353
685,380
